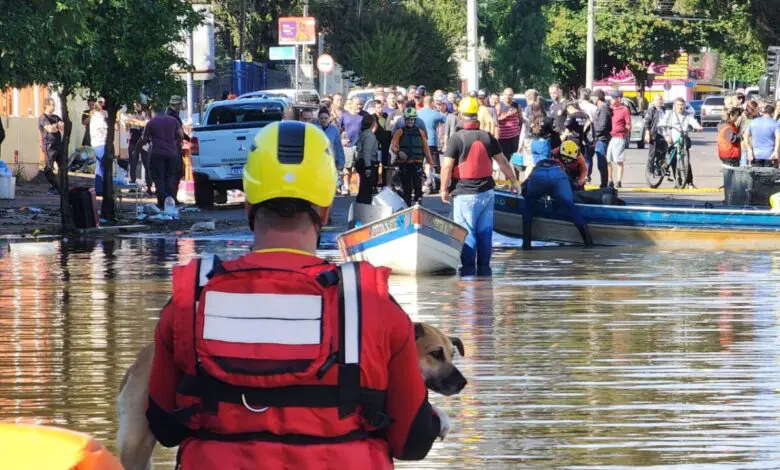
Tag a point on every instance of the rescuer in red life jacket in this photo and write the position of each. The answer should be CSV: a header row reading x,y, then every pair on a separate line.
x,y
280,359
467,174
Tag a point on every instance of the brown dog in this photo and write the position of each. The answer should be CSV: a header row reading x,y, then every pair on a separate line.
x,y
135,442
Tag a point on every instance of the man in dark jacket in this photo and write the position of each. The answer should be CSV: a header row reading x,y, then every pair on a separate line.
x,y
655,140
603,126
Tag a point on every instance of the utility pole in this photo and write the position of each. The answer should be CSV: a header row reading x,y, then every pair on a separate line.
x,y
305,49
589,56
472,41
242,31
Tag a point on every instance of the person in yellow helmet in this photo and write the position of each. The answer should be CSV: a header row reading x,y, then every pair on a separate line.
x,y
467,176
280,359
556,176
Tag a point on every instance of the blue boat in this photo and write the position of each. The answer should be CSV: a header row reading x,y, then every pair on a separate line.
x,y
644,225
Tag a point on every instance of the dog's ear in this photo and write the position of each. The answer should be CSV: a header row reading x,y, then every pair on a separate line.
x,y
419,331
458,344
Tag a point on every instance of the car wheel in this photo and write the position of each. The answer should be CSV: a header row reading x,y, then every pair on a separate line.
x,y
204,192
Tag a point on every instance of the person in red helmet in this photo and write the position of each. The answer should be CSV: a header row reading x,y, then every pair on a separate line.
x,y
280,359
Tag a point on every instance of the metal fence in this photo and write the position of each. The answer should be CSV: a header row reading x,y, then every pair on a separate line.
x,y
244,77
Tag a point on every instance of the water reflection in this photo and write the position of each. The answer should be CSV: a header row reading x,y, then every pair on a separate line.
x,y
576,359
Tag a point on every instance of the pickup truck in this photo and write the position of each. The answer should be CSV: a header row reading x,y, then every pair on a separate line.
x,y
220,145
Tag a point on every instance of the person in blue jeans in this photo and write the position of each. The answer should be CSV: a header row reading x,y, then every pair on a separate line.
x,y
467,175
549,178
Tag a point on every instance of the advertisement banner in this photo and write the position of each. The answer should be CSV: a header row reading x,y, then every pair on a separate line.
x,y
296,31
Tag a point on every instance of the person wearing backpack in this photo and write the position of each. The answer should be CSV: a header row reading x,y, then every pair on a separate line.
x,y
280,359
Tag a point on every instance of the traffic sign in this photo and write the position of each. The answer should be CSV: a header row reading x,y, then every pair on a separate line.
x,y
281,53
325,63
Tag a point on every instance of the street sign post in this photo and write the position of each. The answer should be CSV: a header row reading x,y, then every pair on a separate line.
x,y
325,63
281,53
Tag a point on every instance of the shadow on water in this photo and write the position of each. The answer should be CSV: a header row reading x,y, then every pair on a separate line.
x,y
603,358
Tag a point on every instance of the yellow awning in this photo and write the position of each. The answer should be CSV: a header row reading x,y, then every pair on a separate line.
x,y
707,88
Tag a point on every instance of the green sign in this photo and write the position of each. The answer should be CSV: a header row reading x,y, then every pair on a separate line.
x,y
281,53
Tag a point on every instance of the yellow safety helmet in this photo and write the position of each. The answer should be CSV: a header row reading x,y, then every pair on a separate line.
x,y
774,202
570,149
469,105
290,160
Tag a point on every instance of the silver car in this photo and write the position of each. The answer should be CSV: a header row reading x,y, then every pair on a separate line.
x,y
712,110
637,124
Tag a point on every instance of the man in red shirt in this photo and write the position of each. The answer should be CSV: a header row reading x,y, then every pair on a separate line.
x,y
621,131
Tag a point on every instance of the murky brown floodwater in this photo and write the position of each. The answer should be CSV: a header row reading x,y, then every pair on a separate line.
x,y
605,358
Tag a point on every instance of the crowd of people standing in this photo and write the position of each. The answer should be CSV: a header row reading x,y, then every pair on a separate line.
x,y
750,133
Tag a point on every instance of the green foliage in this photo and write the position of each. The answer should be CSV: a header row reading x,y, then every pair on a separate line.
x,y
746,67
130,51
515,31
565,44
381,45
261,26
383,57
636,36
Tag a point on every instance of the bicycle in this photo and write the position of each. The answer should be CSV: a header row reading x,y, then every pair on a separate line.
x,y
677,158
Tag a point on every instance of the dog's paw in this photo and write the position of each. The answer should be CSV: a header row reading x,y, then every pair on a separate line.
x,y
444,421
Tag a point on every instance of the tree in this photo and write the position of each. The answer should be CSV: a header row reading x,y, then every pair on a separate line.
x,y
515,33
383,57
261,25
565,44
40,41
427,50
635,36
130,52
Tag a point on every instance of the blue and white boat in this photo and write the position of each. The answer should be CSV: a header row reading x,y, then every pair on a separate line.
x,y
645,225
413,241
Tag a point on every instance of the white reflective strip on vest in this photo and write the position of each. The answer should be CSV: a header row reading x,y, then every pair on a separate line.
x,y
351,314
206,265
262,318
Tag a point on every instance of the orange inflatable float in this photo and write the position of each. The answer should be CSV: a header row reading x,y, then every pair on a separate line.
x,y
31,447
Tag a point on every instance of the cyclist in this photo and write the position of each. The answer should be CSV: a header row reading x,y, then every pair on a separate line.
x,y
672,126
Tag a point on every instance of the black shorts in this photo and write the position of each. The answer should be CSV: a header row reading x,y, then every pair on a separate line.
x,y
509,146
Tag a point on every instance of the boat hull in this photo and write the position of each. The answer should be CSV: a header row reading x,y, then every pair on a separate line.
x,y
666,226
414,241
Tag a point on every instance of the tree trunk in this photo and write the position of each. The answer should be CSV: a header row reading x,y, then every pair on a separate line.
x,y
107,209
66,218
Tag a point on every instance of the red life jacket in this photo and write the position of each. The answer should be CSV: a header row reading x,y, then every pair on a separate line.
x,y
476,164
726,149
274,357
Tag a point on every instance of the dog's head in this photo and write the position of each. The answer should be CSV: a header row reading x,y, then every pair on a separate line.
x,y
435,352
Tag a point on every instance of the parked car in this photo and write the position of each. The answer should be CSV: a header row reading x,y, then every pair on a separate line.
x,y
712,110
696,105
301,96
220,145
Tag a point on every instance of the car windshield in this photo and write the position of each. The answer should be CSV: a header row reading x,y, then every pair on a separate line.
x,y
715,101
246,112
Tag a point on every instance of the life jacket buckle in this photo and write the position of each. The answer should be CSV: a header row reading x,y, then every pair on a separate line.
x,y
250,408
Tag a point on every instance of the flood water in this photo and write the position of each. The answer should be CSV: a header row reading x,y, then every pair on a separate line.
x,y
602,358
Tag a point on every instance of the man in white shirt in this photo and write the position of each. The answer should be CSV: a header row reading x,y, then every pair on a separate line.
x,y
672,126
589,141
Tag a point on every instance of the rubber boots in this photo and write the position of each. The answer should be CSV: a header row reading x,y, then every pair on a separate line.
x,y
585,234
